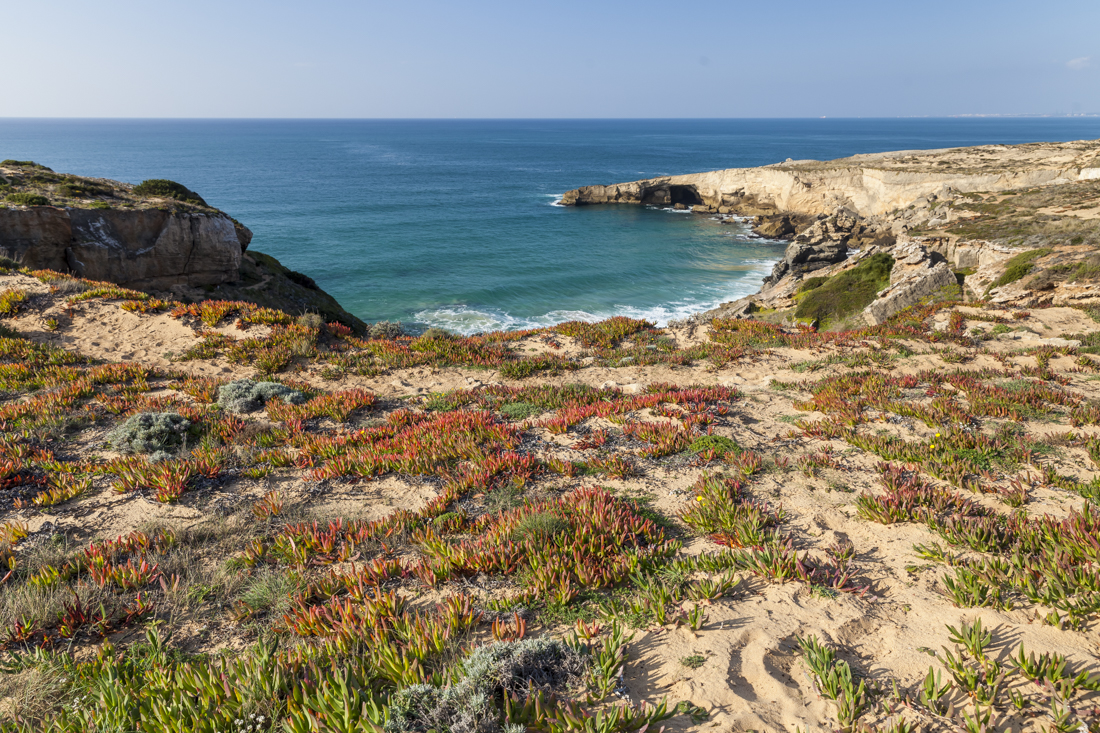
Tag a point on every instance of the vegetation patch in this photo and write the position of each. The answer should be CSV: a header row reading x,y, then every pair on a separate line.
x,y
517,411
1019,266
717,443
1086,270
22,164
848,292
386,330
11,300
162,188
156,433
245,395
490,675
27,199
605,334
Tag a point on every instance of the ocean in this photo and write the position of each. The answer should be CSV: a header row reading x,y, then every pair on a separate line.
x,y
453,223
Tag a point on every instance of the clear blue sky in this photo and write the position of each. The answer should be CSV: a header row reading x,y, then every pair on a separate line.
x,y
469,58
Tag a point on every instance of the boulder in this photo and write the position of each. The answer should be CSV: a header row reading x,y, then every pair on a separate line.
x,y
774,227
845,220
137,248
802,257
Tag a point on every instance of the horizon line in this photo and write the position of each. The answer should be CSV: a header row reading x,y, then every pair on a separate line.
x,y
971,115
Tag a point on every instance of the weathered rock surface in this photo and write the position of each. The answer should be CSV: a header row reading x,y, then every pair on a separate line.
x,y
869,185
824,242
139,248
970,210
917,274
803,257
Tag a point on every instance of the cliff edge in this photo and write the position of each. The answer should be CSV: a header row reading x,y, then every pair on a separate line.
x,y
869,185
157,234
871,235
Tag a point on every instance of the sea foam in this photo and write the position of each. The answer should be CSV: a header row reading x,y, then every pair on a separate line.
x,y
468,320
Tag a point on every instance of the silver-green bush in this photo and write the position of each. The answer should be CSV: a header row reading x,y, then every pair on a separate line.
x,y
246,395
471,704
158,433
386,329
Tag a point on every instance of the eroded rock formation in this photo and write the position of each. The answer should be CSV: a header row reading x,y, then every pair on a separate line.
x,y
869,185
917,274
946,216
139,248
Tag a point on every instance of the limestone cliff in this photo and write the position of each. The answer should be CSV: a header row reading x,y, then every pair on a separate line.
x,y
157,236
139,248
953,221
153,236
869,185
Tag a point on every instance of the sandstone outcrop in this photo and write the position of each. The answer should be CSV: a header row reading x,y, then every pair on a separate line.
x,y
803,257
157,235
137,248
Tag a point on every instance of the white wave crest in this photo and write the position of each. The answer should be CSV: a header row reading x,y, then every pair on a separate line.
x,y
468,320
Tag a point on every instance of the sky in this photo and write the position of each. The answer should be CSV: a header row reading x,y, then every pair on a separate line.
x,y
562,59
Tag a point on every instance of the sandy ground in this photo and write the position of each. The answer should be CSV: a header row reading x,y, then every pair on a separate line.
x,y
752,677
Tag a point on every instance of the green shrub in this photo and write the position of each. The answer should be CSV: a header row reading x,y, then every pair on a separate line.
x,y
1019,266
22,164
716,443
162,188
519,410
150,432
386,330
436,333
28,199
246,395
848,292
302,279
812,283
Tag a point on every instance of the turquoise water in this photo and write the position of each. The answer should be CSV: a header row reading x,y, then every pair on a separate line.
x,y
451,222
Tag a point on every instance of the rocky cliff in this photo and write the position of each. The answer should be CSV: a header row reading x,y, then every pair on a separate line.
x,y
143,249
869,185
156,235
951,221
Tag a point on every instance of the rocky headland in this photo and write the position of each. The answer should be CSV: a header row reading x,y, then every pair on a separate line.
x,y
951,221
157,236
